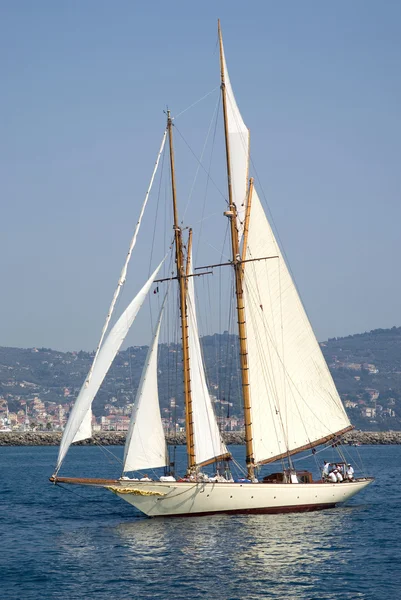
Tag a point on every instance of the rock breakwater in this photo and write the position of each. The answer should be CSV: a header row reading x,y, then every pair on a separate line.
x,y
116,438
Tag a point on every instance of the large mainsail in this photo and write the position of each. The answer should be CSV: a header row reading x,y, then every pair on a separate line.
x,y
290,399
207,438
108,351
294,401
145,446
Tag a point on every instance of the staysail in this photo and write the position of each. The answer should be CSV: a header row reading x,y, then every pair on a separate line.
x,y
238,137
145,446
106,356
207,438
294,401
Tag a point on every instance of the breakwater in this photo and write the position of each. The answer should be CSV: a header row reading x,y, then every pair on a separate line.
x,y
116,438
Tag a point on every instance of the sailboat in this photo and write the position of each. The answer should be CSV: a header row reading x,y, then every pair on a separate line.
x,y
290,402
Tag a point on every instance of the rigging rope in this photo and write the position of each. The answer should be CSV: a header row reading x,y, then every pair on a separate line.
x,y
193,153
215,112
123,273
196,102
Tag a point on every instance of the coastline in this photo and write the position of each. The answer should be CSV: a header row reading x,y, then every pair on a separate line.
x,y
116,438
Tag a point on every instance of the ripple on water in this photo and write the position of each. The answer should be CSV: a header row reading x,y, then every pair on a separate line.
x,y
93,546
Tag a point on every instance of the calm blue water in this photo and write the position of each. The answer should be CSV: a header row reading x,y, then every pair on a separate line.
x,y
56,544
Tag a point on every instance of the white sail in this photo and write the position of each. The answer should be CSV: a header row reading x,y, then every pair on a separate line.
x,y
85,429
106,356
293,397
238,135
207,438
145,446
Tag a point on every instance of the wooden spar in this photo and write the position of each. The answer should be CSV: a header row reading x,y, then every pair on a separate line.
x,y
189,250
238,269
226,456
226,264
188,276
308,446
246,222
181,276
83,480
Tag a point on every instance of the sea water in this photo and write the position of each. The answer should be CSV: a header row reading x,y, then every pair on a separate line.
x,y
85,543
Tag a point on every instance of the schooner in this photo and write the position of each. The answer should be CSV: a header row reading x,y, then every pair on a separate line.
x,y
290,402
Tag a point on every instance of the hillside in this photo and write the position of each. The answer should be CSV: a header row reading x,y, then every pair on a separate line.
x,y
366,368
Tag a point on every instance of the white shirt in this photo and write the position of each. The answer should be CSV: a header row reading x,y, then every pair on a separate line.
x,y
350,472
332,477
339,476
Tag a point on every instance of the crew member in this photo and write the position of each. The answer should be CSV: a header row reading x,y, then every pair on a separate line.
x,y
350,472
333,476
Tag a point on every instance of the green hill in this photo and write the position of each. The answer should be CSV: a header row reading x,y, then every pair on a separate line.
x,y
366,369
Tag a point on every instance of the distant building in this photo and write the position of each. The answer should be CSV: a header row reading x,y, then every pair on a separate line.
x,y
369,367
369,412
350,404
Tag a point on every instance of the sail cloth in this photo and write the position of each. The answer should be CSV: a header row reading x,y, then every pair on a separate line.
x,y
207,438
145,446
294,401
106,356
85,429
238,135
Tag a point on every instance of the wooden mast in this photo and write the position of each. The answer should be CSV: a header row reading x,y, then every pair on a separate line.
x,y
181,276
239,272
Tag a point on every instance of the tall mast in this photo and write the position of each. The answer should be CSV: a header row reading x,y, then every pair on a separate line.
x,y
238,270
181,276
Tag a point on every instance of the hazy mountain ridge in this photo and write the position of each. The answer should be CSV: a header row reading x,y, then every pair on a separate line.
x,y
366,368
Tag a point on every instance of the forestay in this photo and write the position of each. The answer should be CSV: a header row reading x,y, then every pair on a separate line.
x,y
145,446
105,358
238,135
207,438
85,430
293,397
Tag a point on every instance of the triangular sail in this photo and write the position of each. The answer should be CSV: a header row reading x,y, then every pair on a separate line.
x,y
293,397
207,438
238,137
145,446
111,346
85,429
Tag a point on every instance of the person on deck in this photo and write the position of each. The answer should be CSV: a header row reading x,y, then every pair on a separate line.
x,y
325,471
350,472
333,476
339,476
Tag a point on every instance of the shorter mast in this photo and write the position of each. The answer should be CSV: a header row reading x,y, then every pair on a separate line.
x,y
238,269
181,276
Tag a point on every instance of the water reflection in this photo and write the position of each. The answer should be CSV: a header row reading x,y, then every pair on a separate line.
x,y
91,545
145,539
282,556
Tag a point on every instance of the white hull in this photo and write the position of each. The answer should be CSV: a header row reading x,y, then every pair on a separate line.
x,y
157,499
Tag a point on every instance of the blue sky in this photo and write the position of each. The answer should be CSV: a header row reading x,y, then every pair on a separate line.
x,y
84,86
